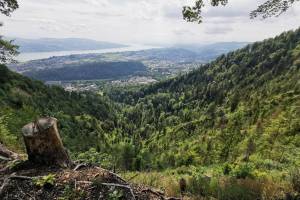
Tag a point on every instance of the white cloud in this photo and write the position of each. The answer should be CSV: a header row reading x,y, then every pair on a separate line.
x,y
142,21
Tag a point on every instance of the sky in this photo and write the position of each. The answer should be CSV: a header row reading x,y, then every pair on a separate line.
x,y
151,22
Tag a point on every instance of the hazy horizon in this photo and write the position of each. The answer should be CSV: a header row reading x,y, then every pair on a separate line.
x,y
129,44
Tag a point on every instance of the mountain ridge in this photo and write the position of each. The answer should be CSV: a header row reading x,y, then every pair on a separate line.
x,y
62,44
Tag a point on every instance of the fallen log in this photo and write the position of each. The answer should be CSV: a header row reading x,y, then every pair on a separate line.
x,y
43,143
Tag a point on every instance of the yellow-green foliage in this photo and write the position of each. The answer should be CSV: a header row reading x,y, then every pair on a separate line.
x,y
115,195
70,193
48,180
207,183
167,182
6,138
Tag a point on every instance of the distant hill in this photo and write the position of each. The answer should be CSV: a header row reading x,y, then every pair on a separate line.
x,y
63,44
211,51
167,54
161,56
89,71
187,53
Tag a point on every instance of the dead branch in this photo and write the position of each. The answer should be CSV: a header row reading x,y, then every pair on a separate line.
x,y
6,154
133,177
14,177
3,186
79,166
172,198
85,182
117,176
160,194
157,193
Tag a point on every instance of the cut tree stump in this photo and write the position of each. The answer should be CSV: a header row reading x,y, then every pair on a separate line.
x,y
43,143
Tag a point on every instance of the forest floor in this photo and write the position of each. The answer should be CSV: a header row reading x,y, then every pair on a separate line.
x,y
83,182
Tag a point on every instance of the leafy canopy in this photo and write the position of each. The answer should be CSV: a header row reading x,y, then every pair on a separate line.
x,y
7,49
268,9
8,6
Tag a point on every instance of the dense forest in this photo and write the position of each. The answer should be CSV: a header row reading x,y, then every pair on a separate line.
x,y
89,71
23,100
243,106
236,117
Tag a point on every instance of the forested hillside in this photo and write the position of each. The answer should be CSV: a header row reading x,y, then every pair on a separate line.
x,y
83,117
89,71
232,126
245,106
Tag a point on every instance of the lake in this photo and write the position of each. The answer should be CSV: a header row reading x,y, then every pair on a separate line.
x,y
23,57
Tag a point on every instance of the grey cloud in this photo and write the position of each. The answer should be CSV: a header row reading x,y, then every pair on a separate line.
x,y
182,32
218,30
172,12
225,13
137,21
33,20
99,13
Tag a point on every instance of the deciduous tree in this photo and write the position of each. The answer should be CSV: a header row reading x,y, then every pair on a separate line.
x,y
7,49
268,9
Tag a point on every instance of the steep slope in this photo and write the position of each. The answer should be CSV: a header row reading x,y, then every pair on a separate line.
x,y
244,106
83,117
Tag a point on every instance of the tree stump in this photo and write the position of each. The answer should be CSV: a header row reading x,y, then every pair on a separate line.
x,y
43,143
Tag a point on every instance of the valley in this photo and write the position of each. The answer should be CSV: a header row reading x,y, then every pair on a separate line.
x,y
160,63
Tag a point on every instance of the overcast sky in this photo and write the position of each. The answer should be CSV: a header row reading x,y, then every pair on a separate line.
x,y
142,21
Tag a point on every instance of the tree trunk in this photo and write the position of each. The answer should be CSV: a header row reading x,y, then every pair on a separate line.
x,y
43,143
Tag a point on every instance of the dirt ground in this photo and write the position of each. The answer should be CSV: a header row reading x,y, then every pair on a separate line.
x,y
87,182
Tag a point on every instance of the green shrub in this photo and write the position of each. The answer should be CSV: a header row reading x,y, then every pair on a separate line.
x,y
6,137
227,169
240,190
115,195
295,179
268,164
45,181
199,184
243,171
93,157
70,193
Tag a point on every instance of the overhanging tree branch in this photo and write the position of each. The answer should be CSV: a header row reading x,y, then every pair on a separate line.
x,y
268,9
8,6
7,49
272,8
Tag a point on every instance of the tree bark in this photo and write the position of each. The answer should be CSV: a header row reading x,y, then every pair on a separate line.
x,y
43,143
